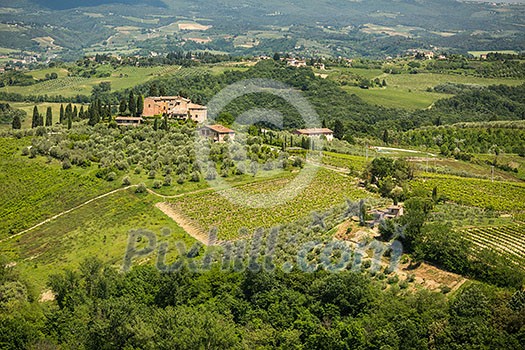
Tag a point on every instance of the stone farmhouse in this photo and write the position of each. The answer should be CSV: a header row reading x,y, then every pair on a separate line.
x,y
174,107
316,133
128,121
216,132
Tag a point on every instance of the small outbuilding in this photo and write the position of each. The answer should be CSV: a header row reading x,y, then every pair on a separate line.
x,y
128,121
316,132
216,132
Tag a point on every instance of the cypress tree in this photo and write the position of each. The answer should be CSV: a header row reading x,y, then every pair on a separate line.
x,y
61,120
49,116
75,112
132,104
165,122
100,109
69,112
156,124
94,117
385,137
34,120
339,129
81,113
17,123
123,106
140,105
70,121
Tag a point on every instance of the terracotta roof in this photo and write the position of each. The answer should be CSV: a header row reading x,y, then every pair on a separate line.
x,y
128,118
164,98
314,131
196,106
219,128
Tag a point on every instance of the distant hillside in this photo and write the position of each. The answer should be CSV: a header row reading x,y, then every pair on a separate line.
x,y
377,28
62,5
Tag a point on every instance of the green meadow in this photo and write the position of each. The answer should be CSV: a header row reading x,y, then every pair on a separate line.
x,y
408,91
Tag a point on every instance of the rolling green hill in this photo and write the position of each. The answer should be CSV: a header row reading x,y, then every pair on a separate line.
x,y
348,28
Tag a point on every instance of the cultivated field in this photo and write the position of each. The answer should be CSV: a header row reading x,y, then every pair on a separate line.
x,y
327,190
508,240
497,195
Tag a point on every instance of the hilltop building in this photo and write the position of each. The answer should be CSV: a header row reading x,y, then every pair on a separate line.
x,y
316,133
216,132
293,62
174,107
128,121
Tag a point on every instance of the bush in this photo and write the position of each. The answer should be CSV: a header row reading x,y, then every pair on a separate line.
x,y
138,170
141,188
126,181
152,174
157,184
393,279
111,176
403,284
66,164
167,180
195,176
445,289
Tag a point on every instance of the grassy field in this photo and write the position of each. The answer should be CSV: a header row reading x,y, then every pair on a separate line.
x,y
120,79
325,191
467,169
33,190
42,108
408,90
100,229
479,53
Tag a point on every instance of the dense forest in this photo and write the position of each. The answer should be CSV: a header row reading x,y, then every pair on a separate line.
x,y
99,308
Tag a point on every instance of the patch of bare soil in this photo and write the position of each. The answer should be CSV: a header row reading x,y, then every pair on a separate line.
x,y
46,296
185,223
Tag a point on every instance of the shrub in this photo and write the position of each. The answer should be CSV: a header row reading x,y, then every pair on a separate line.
x,y
141,188
411,277
152,174
157,184
111,176
66,164
393,279
445,289
167,180
195,176
126,181
211,174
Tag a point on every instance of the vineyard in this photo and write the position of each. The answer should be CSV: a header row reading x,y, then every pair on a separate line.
x,y
508,240
211,209
344,161
500,196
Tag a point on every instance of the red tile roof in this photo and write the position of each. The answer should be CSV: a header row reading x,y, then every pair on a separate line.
x,y
220,129
128,118
314,131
